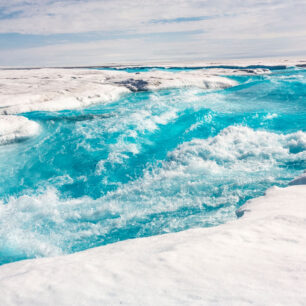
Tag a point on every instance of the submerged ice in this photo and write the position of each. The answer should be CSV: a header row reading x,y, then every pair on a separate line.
x,y
150,162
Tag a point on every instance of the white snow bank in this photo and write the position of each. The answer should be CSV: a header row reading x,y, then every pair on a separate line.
x,y
258,259
58,89
56,101
266,61
15,128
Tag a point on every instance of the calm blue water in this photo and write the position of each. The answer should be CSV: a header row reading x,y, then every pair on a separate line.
x,y
149,163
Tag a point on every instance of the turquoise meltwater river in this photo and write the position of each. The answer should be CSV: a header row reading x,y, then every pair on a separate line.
x,y
149,163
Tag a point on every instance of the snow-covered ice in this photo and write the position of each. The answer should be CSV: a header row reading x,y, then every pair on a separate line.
x,y
15,128
265,61
58,89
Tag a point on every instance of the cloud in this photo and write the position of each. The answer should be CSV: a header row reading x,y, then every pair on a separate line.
x,y
181,19
196,27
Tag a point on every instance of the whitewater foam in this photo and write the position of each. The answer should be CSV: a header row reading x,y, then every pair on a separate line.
x,y
242,148
197,176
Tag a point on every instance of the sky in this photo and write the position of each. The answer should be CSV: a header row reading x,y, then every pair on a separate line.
x,y
92,32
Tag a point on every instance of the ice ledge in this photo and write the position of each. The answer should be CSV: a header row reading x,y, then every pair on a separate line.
x,y
258,259
16,128
24,91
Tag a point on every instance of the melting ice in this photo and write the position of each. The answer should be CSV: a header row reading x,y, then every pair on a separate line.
x,y
148,163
